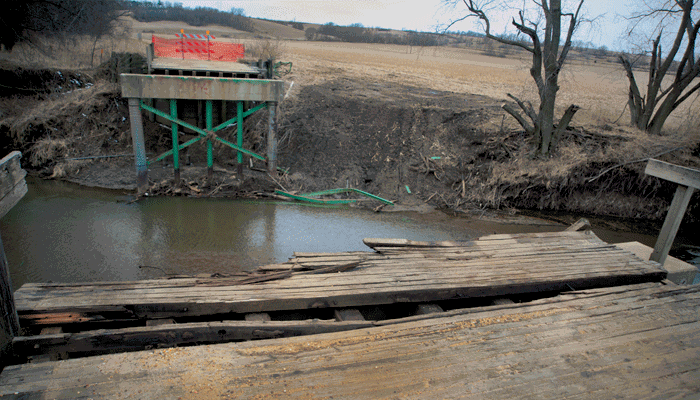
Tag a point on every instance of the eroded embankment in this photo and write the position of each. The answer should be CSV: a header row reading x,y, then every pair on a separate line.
x,y
449,150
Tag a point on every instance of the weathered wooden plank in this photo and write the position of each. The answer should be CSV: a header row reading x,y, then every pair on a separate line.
x,y
336,285
300,286
674,173
167,335
407,277
676,211
152,322
12,189
590,346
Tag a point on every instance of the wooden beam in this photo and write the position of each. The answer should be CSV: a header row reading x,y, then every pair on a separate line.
x,y
671,224
674,173
688,180
139,338
141,86
12,184
12,188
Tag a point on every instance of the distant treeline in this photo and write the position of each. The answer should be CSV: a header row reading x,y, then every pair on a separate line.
x,y
359,34
25,20
148,11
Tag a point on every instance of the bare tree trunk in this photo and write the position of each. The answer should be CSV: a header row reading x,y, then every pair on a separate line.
x,y
547,62
649,112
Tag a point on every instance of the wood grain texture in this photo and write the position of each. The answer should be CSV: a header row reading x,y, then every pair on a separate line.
x,y
497,265
640,341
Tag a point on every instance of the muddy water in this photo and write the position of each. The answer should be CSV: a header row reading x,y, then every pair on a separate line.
x,y
61,232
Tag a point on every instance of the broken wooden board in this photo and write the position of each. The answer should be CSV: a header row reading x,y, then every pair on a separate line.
x,y
636,341
105,341
497,265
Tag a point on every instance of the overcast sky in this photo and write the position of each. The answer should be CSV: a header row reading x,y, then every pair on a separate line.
x,y
422,15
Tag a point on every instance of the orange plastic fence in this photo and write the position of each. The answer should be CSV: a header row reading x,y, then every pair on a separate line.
x,y
193,49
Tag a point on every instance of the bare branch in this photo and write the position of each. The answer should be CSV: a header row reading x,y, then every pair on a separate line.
x,y
572,27
522,121
685,96
477,12
527,107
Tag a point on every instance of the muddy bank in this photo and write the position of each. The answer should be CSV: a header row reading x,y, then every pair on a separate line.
x,y
407,144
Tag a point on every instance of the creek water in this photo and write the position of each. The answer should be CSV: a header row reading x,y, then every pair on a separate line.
x,y
62,232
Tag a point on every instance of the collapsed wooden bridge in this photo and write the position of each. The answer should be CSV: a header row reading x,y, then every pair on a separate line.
x,y
545,314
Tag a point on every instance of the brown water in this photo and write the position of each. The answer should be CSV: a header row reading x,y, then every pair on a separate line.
x,y
62,232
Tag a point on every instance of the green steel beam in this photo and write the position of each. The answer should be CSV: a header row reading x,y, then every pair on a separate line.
x,y
176,141
234,119
239,135
180,147
171,119
210,145
242,150
202,134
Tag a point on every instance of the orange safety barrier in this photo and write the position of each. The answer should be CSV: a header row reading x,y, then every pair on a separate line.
x,y
193,49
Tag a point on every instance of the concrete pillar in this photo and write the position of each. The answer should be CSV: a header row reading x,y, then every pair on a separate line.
x,y
272,138
139,145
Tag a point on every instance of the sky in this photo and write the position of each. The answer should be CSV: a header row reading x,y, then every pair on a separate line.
x,y
608,29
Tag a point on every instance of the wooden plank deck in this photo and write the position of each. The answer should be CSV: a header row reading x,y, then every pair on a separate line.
x,y
639,341
494,265
176,64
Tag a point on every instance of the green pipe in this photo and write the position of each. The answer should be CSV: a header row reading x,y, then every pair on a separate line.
x,y
210,145
316,201
176,141
327,192
239,136
385,201
343,190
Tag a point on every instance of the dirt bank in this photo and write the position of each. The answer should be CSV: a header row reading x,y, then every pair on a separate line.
x,y
409,144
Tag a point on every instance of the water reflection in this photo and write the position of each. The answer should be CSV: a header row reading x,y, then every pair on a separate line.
x,y
65,233
62,232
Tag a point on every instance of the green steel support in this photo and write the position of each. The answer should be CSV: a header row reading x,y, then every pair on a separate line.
x,y
200,131
170,152
234,119
239,137
176,142
210,145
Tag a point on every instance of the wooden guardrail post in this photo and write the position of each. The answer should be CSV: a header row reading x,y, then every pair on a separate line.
x,y
12,188
688,180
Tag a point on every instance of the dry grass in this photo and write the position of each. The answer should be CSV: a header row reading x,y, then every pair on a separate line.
x,y
265,49
599,89
73,54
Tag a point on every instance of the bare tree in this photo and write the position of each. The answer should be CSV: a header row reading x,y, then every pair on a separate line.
x,y
650,111
548,57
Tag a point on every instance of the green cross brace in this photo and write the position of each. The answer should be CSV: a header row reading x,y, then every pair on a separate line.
x,y
203,133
